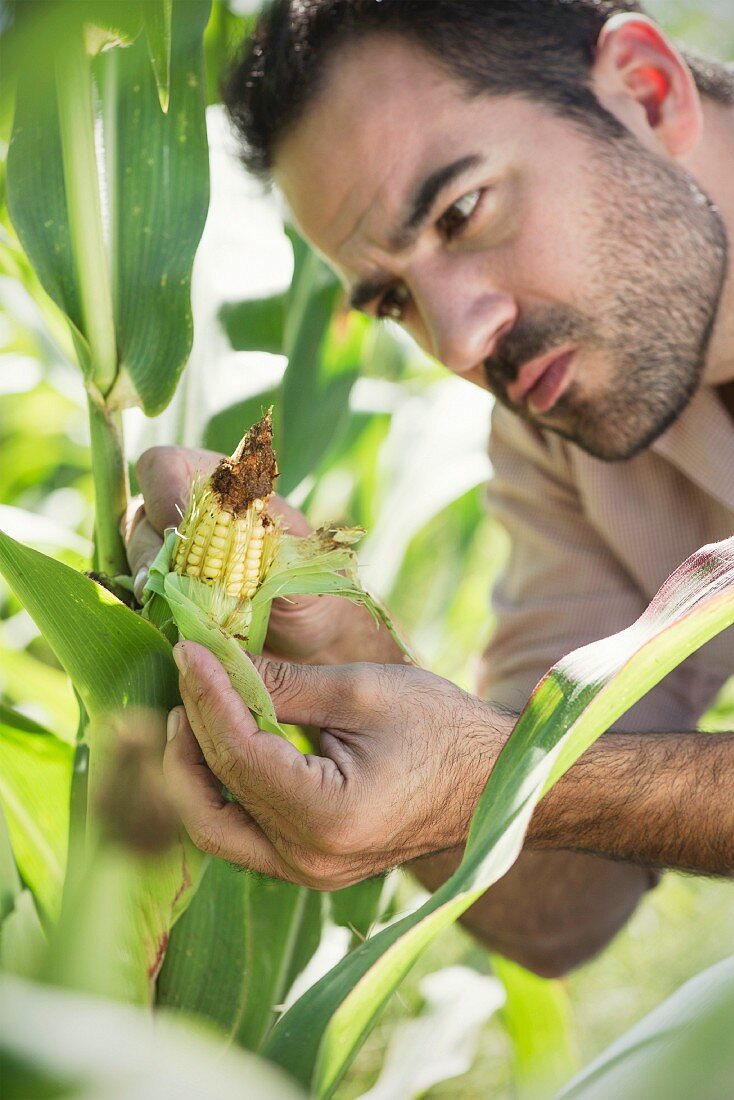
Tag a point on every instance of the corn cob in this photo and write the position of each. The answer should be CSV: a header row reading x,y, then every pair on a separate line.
x,y
216,577
227,539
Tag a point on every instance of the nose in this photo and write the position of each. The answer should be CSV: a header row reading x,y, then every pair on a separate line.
x,y
462,316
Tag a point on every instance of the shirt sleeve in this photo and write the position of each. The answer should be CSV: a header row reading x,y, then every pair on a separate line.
x,y
562,586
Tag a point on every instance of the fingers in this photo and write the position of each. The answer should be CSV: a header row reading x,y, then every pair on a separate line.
x,y
134,513
216,825
165,475
225,829
143,545
294,521
343,696
272,779
220,719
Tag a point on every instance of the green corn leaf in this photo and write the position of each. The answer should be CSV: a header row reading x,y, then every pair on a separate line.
x,y
54,1043
537,1017
22,939
108,936
195,625
236,951
158,173
116,660
322,368
106,22
157,20
255,324
126,297
204,970
37,200
577,700
35,784
283,932
682,1049
358,907
10,884
225,32
224,430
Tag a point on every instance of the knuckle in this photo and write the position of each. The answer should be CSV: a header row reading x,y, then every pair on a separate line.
x,y
229,764
151,460
165,475
207,837
341,835
368,687
318,872
335,840
279,677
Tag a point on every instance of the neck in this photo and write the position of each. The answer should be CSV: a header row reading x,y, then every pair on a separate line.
x,y
711,165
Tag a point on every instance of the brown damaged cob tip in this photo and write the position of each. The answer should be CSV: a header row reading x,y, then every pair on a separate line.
x,y
227,538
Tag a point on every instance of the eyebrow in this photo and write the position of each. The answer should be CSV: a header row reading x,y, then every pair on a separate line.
x,y
417,211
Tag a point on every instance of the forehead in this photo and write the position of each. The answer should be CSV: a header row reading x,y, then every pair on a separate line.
x,y
387,116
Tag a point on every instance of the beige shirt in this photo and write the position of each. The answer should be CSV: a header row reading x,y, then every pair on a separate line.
x,y
591,543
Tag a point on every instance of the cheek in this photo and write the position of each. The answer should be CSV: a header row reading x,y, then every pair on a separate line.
x,y
552,255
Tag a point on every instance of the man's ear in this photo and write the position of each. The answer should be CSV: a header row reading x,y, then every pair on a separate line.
x,y
637,66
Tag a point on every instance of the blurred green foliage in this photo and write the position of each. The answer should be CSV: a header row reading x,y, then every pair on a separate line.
x,y
438,581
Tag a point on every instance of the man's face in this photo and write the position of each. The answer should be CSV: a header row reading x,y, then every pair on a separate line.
x,y
575,277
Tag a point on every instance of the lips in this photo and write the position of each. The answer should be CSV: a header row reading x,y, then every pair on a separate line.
x,y
540,383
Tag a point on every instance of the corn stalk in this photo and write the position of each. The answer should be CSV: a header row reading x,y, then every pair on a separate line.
x,y
88,271
92,266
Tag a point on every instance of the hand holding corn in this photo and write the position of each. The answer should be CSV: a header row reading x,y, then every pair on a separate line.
x,y
308,628
394,740
404,756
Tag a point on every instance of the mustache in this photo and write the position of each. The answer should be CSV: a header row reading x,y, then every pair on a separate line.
x,y
532,337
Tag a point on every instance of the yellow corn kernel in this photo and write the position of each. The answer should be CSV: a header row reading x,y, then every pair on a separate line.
x,y
226,537
232,557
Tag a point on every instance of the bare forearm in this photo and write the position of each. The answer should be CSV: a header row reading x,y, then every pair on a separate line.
x,y
659,800
642,801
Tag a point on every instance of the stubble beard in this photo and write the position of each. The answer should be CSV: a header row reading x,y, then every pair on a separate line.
x,y
656,274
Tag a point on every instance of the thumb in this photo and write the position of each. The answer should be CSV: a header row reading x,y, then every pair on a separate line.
x,y
318,695
165,475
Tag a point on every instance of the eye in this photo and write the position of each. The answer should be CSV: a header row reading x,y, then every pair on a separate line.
x,y
392,304
451,223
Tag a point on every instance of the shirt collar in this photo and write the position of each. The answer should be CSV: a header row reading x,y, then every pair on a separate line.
x,y
700,442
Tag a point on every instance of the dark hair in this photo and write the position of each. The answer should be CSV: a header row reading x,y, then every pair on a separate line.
x,y
542,49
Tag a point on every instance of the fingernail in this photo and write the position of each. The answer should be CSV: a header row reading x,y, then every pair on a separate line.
x,y
179,656
139,583
172,725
